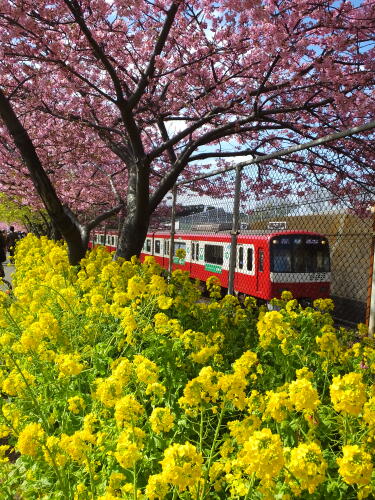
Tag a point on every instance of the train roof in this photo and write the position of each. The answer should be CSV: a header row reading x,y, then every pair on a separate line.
x,y
258,234
223,235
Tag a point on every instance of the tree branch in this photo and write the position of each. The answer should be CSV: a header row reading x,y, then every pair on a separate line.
x,y
159,46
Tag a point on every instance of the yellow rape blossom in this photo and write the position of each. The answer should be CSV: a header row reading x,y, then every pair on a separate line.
x,y
233,386
245,362
328,344
277,405
128,410
202,389
53,453
145,369
156,488
303,395
76,404
77,445
161,420
203,355
164,302
355,466
108,390
369,412
129,446
242,430
262,455
30,439
324,305
156,390
16,384
136,287
308,466
271,325
69,364
348,393
157,285
3,450
182,466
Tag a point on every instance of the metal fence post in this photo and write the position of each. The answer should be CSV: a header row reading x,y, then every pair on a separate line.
x,y
371,296
173,228
235,230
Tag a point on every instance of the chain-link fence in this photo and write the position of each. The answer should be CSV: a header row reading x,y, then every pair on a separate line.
x,y
288,235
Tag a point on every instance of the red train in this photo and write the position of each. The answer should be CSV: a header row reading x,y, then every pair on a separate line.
x,y
267,262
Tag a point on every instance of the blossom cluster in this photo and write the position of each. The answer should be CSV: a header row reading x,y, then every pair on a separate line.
x,y
118,382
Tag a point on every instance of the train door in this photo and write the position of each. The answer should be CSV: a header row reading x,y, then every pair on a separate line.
x,y
260,269
166,243
158,251
238,285
194,259
244,277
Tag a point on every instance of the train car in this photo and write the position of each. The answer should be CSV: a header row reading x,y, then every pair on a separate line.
x,y
108,239
266,263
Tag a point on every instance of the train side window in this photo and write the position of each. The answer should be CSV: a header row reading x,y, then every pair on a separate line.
x,y
102,239
148,245
261,260
179,244
157,246
192,250
168,242
213,254
240,257
249,259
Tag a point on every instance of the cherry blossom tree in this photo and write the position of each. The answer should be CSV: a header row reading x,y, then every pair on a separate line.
x,y
104,100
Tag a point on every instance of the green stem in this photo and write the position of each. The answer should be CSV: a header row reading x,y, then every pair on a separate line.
x,y
201,431
135,482
91,479
35,401
212,450
250,487
57,470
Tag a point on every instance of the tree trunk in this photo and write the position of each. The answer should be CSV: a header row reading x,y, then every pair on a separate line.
x,y
135,225
76,249
132,236
77,239
55,233
61,216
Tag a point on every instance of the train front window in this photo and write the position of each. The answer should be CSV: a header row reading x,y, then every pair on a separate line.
x,y
317,255
299,254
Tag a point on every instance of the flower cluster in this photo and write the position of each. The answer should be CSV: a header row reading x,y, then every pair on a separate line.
x,y
120,383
